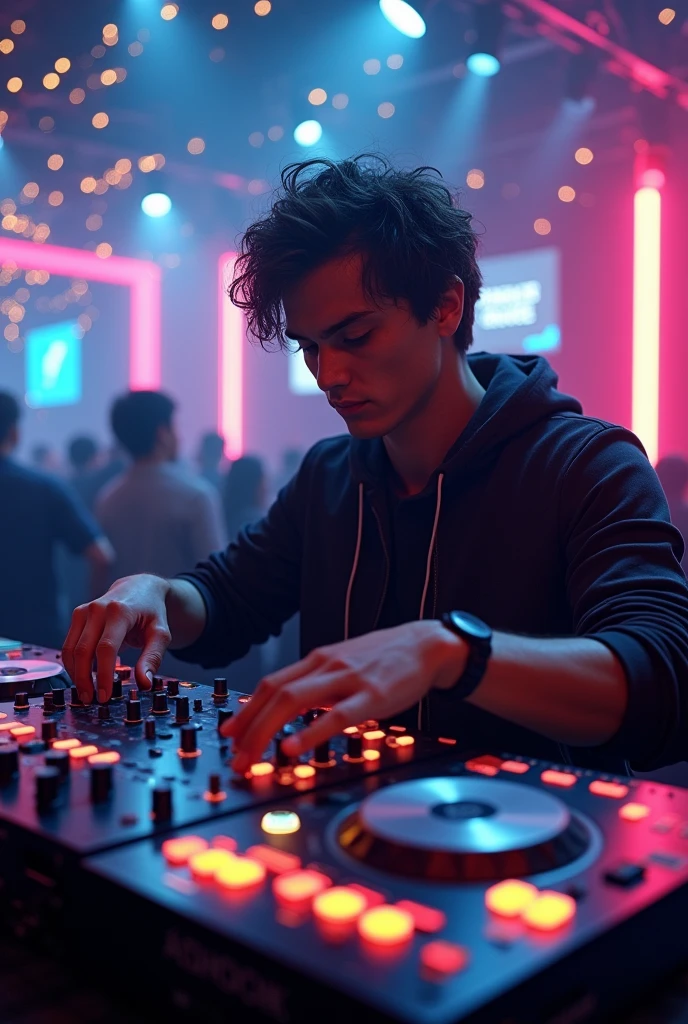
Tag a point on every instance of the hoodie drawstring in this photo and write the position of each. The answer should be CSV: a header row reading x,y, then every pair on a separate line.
x,y
354,567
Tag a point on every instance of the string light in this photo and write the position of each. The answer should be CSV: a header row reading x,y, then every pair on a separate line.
x,y
220,21
123,166
168,12
55,161
103,250
475,178
14,84
51,80
566,194
146,164
317,97
100,120
195,146
110,31
386,110
31,189
77,96
56,198
262,8
6,45
18,26
542,226
88,184
108,77
63,64
583,155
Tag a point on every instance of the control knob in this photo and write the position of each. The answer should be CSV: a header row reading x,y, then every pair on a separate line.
x,y
58,699
189,740
9,763
182,710
220,690
133,710
162,804
47,787
160,703
173,687
59,759
21,702
101,783
48,703
49,731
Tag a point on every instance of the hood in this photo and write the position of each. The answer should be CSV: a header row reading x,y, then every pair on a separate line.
x,y
519,392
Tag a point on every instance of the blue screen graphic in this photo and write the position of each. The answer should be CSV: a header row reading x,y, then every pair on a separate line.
x,y
53,365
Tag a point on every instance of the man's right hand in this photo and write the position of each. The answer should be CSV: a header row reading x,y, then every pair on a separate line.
x,y
132,612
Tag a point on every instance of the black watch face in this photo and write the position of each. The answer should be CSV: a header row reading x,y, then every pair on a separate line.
x,y
471,625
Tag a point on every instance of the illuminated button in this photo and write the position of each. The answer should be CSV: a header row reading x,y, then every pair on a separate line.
x,y
224,843
70,744
555,778
280,823
443,958
371,755
261,769
339,905
510,897
485,765
397,728
238,872
22,732
447,739
351,730
549,911
303,771
405,741
8,726
634,812
81,753
372,897
177,851
244,700
107,757
515,767
615,790
276,861
426,919
386,925
205,863
2,715
373,735
299,886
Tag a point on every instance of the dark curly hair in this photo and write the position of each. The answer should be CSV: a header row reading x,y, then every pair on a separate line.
x,y
414,238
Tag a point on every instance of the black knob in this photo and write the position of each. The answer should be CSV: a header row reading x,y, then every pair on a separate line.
x,y
198,704
160,703
76,699
103,712
48,703
49,730
58,699
321,754
173,687
220,689
223,715
158,684
21,702
214,784
9,763
101,782
189,742
149,729
47,786
354,746
59,759
133,711
182,711
124,672
117,691
162,804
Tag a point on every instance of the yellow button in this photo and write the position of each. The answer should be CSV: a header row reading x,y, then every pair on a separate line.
x,y
238,872
386,925
634,812
510,897
339,905
549,911
177,851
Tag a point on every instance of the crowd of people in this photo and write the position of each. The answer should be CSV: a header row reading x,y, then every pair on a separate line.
x,y
71,526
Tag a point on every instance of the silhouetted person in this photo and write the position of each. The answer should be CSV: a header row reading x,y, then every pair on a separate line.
x,y
44,459
243,493
82,454
211,451
673,476
38,513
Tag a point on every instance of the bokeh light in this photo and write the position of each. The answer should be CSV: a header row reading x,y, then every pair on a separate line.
x,y
108,77
55,161
14,84
195,146
317,97
31,189
135,49
262,8
77,96
63,64
6,45
56,198
475,178
46,124
100,120
566,194
217,54
94,222
146,164
403,17
386,109
110,31
667,15
275,133
308,133
542,226
169,11
123,166
88,184
220,21
99,51
51,80
395,61
484,65
340,101
18,26
156,204
256,139
511,189
583,155
104,250
372,66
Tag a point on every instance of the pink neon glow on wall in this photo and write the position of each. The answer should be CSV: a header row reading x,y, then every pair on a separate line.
x,y
646,312
141,277
230,352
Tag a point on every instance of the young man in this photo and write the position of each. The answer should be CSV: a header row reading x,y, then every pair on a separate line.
x,y
477,554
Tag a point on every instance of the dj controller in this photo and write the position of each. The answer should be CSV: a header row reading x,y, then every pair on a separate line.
x,y
388,876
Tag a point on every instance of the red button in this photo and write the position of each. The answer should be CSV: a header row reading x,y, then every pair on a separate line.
x,y
277,861
615,790
555,778
373,897
442,957
487,764
515,767
426,919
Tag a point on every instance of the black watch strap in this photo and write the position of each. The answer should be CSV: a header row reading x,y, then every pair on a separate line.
x,y
478,636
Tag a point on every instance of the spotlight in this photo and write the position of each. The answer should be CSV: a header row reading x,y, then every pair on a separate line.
x,y
403,18
156,204
308,133
483,60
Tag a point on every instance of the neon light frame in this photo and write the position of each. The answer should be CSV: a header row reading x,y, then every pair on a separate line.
x,y
646,317
142,278
231,326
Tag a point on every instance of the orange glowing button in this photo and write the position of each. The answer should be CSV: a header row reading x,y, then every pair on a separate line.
x,y
239,872
371,755
373,735
405,741
177,851
277,861
386,925
555,778
615,790
6,726
81,753
339,905
397,728
66,744
107,757
515,767
2,715
510,897
224,843
260,769
426,919
634,812
447,739
442,957
22,732
299,886
303,771
244,700
549,911
484,765
372,897
350,730
205,863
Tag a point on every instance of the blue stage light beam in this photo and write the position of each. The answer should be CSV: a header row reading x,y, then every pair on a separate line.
x,y
308,133
403,18
156,204
484,65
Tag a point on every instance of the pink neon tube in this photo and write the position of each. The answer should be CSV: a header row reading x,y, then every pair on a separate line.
x,y
646,311
230,353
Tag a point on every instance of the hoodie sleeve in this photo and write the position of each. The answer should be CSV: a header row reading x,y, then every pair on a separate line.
x,y
627,590
252,587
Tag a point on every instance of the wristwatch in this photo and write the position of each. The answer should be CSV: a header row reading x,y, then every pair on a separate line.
x,y
478,636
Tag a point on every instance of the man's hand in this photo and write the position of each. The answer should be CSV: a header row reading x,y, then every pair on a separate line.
x,y
132,612
372,676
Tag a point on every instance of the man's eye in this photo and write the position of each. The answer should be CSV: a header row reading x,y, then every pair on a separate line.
x,y
358,340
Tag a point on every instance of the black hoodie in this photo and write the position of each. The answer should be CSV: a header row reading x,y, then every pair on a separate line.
x,y
539,520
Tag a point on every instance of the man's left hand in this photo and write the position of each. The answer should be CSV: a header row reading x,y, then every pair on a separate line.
x,y
376,675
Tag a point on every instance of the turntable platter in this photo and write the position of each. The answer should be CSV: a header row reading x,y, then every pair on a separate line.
x,y
32,676
463,829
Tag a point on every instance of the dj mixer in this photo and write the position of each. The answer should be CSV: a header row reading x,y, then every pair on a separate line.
x,y
387,877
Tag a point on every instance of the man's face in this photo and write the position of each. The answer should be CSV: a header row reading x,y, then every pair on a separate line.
x,y
384,365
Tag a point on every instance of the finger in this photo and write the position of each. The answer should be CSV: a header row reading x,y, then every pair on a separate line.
x,y
287,702
76,628
157,640
84,652
114,632
265,691
348,712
